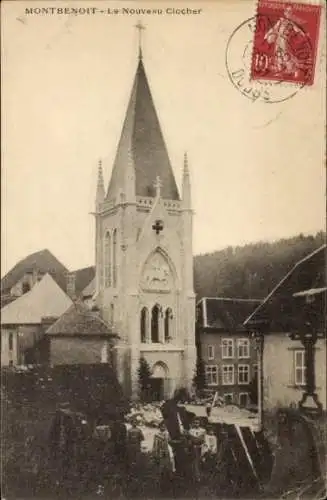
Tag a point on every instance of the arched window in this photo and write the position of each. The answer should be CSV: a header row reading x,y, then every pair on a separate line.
x,y
168,324
144,325
155,324
114,258
107,260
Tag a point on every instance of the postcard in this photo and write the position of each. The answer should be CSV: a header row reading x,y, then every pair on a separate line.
x,y
163,285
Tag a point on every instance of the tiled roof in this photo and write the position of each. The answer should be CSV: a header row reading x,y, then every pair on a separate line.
x,y
83,278
224,313
79,320
278,307
142,143
45,299
43,261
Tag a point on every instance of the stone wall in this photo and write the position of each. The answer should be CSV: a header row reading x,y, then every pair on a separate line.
x,y
66,351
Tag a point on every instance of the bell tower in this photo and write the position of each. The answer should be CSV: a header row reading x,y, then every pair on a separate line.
x,y
144,260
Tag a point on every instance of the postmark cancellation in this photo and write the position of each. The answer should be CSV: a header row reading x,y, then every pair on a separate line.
x,y
272,55
285,42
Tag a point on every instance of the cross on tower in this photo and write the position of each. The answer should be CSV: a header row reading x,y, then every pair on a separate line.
x,y
158,185
158,226
139,26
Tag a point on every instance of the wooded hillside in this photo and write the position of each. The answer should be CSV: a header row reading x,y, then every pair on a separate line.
x,y
252,270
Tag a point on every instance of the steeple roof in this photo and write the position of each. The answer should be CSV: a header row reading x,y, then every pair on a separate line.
x,y
142,144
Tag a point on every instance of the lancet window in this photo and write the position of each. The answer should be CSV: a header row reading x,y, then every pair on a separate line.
x,y
168,324
155,317
144,325
107,260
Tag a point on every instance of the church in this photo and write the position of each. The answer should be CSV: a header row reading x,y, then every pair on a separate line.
x,y
144,260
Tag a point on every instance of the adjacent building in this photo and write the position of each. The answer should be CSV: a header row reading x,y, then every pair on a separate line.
x,y
29,271
291,326
226,347
34,294
25,320
79,336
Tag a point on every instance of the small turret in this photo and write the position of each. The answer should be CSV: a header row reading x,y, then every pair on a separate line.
x,y
186,186
100,193
129,181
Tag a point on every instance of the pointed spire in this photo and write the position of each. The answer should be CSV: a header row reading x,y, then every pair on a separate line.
x,y
186,185
100,193
142,143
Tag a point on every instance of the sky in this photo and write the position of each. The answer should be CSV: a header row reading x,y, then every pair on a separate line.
x,y
257,169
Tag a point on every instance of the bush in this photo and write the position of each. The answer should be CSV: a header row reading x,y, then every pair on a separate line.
x,y
30,397
144,375
92,389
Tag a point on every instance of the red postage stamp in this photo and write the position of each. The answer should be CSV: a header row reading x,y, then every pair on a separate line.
x,y
285,42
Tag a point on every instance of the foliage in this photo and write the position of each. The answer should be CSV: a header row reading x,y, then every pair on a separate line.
x,y
199,379
182,395
92,389
144,375
252,270
31,395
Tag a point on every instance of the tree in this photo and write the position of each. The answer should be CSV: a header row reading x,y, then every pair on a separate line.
x,y
144,375
199,379
251,270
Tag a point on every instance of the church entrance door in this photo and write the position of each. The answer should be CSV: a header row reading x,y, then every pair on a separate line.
x,y
157,389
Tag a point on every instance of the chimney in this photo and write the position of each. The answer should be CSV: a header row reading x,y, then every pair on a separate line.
x,y
28,281
70,285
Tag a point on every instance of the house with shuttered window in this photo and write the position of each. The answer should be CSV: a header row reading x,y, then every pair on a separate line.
x,y
24,321
226,348
291,318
